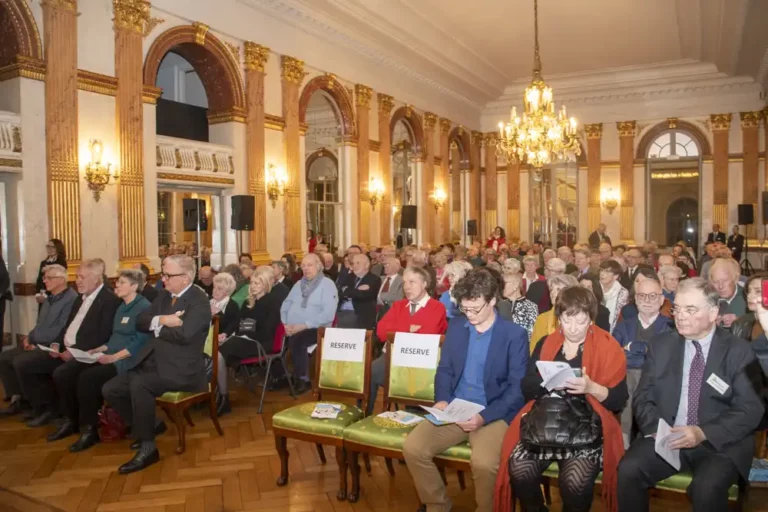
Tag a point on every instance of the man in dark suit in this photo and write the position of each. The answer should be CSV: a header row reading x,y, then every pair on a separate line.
x,y
716,235
172,360
345,268
357,295
89,326
598,237
330,269
707,385
148,291
736,243
538,291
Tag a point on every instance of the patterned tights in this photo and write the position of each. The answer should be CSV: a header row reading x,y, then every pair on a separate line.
x,y
576,483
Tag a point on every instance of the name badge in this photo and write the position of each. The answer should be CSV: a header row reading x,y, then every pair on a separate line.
x,y
125,320
718,384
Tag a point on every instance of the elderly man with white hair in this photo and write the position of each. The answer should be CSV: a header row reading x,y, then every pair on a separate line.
x,y
564,253
724,277
538,291
311,304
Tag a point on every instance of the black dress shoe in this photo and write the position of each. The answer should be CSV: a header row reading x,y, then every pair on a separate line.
x,y
160,429
139,462
15,408
223,406
43,419
301,387
66,429
88,438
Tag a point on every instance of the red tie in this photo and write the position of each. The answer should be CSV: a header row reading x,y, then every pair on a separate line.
x,y
385,288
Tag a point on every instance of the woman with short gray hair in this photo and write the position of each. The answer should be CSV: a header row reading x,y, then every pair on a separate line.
x,y
453,272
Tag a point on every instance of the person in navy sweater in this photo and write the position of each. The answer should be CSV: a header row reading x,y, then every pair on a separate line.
x,y
483,360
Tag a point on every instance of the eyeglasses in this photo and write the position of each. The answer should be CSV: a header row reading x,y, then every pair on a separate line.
x,y
647,296
688,311
472,311
50,246
167,276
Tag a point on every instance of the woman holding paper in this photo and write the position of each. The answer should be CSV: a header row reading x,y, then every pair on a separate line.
x,y
574,426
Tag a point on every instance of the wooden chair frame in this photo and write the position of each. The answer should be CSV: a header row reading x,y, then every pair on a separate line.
x,y
282,435
178,412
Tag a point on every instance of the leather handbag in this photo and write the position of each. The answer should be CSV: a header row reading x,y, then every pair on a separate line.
x,y
560,422
111,426
247,326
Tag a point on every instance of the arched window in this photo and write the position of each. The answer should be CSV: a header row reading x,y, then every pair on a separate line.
x,y
673,144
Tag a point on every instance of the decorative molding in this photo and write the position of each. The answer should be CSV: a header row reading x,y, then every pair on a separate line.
x,y
150,94
430,120
234,49
131,15
67,5
476,137
292,69
201,30
272,122
408,111
256,56
720,122
445,125
750,119
438,161
374,145
594,131
233,115
24,67
304,128
627,128
672,123
9,162
96,82
363,95
152,23
195,179
386,102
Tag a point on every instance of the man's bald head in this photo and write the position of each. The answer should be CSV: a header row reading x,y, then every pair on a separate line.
x,y
206,275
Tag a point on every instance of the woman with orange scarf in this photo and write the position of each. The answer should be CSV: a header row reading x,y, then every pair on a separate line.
x,y
599,392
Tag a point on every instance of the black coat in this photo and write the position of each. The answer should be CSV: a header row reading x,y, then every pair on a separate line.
x,y
229,319
716,237
363,301
736,245
96,327
149,292
266,313
595,241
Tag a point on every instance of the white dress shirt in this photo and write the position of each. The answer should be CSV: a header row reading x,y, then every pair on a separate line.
x,y
155,326
70,337
420,304
681,418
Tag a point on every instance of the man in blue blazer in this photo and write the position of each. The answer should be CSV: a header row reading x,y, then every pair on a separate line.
x,y
483,361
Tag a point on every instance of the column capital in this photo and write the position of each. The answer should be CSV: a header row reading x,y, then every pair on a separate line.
x,y
594,131
363,95
65,5
408,111
131,15
750,119
445,125
430,120
477,137
627,128
491,139
720,122
292,69
386,102
256,56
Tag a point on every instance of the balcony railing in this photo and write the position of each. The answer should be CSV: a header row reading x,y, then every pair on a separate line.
x,y
10,135
188,155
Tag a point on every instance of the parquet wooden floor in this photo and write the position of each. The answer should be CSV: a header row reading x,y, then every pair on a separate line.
x,y
236,472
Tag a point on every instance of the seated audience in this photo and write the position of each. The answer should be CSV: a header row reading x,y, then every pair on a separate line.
x,y
223,306
546,322
538,292
247,269
511,265
605,251
706,384
241,283
440,261
205,280
724,277
245,258
599,391
357,295
483,360
377,267
50,323
81,394
591,282
615,296
634,334
56,254
514,306
89,326
419,259
669,276
530,276
746,326
149,292
542,259
293,272
629,311
391,285
309,305
171,360
453,272
566,254
346,262
330,268
581,258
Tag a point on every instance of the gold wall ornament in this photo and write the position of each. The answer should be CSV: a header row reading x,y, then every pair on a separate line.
x,y
594,131
331,80
99,174
256,56
375,192
750,119
408,111
438,198
232,115
609,200
234,49
24,67
151,24
201,30
386,102
445,125
151,94
17,139
674,175
430,120
476,137
672,123
131,15
9,162
719,122
292,69
276,182
626,128
363,95
69,5
96,83
195,179
273,122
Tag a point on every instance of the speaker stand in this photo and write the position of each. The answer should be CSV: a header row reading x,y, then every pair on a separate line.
x,y
746,267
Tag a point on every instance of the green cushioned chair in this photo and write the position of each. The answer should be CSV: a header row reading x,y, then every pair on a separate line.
x,y
341,378
176,404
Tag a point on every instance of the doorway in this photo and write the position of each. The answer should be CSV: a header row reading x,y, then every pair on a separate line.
x,y
682,222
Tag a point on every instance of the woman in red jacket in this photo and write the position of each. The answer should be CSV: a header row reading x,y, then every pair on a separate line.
x,y
497,239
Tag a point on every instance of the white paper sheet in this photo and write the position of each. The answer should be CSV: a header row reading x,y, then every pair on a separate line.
x,y
664,436
554,373
83,356
344,345
458,410
414,350
46,348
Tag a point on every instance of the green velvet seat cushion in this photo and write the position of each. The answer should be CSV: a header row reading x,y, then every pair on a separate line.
x,y
342,376
675,483
175,397
412,383
299,418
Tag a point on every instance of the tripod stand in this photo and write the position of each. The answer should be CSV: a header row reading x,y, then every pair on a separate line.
x,y
746,267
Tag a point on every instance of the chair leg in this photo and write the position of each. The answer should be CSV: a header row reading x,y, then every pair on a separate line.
x,y
442,475
354,470
288,376
188,418
178,420
367,462
390,467
214,414
320,453
264,386
462,482
281,443
547,491
341,461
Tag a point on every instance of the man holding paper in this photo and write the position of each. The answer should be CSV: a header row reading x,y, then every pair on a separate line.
x,y
482,362
706,384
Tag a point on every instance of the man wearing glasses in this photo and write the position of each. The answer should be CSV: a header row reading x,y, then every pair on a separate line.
x,y
634,334
483,360
707,385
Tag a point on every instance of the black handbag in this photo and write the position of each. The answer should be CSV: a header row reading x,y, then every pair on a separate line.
x,y
557,421
247,326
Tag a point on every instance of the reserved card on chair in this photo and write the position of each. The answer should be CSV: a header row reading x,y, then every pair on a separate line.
x,y
344,345
416,350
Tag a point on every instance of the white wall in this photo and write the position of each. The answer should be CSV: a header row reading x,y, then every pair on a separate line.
x,y
180,82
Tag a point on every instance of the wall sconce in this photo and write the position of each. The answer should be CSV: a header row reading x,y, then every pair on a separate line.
x,y
609,200
97,174
439,197
376,191
277,182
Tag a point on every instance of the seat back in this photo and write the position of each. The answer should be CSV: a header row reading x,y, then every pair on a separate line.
x,y
214,335
411,380
279,339
343,362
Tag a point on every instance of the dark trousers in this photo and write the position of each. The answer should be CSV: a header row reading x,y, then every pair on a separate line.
x,y
34,369
347,320
89,397
65,378
8,375
713,475
378,371
238,348
298,344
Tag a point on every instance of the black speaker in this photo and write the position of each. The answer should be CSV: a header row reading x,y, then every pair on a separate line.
x,y
408,217
765,206
243,208
194,212
471,228
746,214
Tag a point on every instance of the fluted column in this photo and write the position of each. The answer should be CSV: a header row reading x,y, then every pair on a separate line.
x,y
61,125
491,183
627,131
513,201
594,140
476,139
256,57
750,128
431,182
445,156
363,102
385,167
720,125
456,171
292,75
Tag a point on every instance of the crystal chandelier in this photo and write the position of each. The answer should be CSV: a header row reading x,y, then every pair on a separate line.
x,y
540,136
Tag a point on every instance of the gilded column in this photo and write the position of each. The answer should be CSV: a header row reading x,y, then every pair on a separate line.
x,y
720,125
431,182
131,17
594,140
256,56
456,172
61,125
627,131
363,102
750,128
385,167
445,156
292,75
475,188
513,201
491,183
